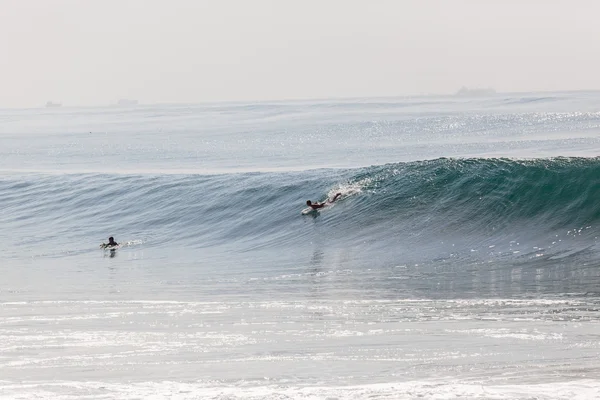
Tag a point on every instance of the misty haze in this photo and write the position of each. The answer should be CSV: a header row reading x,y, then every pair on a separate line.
x,y
97,52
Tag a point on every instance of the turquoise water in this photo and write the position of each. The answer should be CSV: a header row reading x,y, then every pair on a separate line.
x,y
461,260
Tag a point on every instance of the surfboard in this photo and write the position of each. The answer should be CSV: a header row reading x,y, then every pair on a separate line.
x,y
309,210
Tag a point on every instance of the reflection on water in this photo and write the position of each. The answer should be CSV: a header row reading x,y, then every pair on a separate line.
x,y
346,272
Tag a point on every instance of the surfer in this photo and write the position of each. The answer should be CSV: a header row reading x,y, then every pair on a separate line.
x,y
323,204
111,243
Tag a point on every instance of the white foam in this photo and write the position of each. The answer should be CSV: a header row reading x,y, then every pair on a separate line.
x,y
585,389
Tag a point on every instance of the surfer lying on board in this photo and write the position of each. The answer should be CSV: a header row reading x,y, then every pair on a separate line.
x,y
323,204
111,243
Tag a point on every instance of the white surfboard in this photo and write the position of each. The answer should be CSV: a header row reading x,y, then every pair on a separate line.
x,y
309,210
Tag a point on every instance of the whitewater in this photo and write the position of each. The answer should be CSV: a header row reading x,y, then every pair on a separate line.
x,y
462,260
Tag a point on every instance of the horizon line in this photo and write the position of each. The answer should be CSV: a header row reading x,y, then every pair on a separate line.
x,y
296,99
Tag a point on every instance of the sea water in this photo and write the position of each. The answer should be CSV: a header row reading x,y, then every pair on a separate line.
x,y
462,260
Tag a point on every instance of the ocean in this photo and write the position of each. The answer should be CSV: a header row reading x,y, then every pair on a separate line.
x,y
462,260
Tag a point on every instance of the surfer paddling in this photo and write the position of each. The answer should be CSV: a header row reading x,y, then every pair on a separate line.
x,y
323,204
111,243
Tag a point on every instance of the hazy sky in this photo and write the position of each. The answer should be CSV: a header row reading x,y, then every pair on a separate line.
x,y
87,52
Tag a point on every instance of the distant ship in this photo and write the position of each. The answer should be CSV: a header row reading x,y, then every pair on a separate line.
x,y
127,102
465,91
52,104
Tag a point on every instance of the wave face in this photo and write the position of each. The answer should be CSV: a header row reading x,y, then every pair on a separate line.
x,y
486,195
416,211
